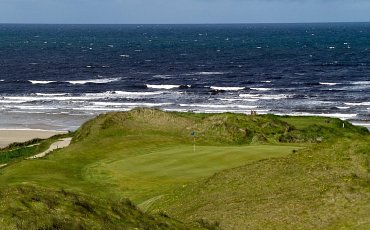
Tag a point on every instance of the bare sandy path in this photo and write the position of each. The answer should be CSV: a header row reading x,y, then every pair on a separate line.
x,y
62,143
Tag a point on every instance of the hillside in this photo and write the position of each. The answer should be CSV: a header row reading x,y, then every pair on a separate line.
x,y
240,162
31,207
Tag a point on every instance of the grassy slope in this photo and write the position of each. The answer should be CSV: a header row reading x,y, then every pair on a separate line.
x,y
146,154
325,186
31,208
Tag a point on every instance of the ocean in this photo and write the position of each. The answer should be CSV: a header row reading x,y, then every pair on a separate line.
x,y
58,76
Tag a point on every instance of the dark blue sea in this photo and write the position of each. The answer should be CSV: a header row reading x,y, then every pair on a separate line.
x,y
58,76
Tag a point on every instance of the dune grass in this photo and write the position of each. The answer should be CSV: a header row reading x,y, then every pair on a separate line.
x,y
35,208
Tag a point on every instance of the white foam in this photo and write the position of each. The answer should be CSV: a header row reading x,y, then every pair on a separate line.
x,y
33,107
266,81
328,83
227,88
218,106
360,83
40,82
163,86
261,89
11,101
264,97
236,99
96,81
124,55
230,99
83,97
342,116
343,107
164,76
209,73
51,94
95,108
130,104
136,93
261,111
357,104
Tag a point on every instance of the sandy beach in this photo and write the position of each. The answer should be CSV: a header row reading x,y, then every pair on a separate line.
x,y
8,136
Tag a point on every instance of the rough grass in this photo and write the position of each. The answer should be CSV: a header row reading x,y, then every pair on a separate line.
x,y
30,207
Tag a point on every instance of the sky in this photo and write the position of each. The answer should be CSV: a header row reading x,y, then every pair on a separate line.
x,y
183,11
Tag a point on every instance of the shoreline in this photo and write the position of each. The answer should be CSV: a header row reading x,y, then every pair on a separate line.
x,y
9,135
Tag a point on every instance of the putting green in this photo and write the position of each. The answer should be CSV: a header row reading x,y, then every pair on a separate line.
x,y
143,176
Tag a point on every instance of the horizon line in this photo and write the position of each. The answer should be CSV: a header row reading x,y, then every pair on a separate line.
x,y
211,23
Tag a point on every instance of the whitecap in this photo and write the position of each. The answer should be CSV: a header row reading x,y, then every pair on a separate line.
x,y
11,101
51,94
163,86
357,103
266,81
96,81
40,82
261,89
360,83
162,76
328,83
259,111
130,104
343,107
265,97
209,73
94,108
219,106
227,88
342,116
33,107
125,93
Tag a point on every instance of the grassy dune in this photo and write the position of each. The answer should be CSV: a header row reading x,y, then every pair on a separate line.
x,y
31,207
242,166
